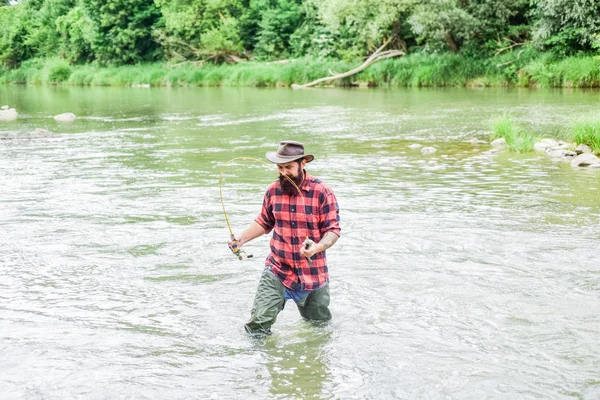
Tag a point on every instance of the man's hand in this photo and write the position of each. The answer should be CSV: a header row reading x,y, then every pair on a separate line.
x,y
309,249
313,248
235,246
234,243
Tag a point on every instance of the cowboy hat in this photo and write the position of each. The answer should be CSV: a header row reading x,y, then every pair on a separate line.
x,y
288,151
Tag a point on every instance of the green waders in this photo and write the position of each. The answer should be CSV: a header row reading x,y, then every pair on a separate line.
x,y
270,300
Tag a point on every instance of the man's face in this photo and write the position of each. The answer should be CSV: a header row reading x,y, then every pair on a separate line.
x,y
294,171
291,169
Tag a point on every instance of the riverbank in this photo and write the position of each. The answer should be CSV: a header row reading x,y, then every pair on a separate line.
x,y
520,69
519,139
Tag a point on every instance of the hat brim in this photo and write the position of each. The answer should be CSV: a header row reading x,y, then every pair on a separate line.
x,y
276,159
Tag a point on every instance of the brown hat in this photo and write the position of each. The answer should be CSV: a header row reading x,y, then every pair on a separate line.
x,y
288,151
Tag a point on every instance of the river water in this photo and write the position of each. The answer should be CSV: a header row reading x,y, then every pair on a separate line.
x,y
459,275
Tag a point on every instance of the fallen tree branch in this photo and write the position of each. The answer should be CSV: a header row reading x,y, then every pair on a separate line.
x,y
510,62
378,55
513,45
277,62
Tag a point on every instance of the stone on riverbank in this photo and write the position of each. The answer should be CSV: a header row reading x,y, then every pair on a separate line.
x,y
65,117
500,142
583,148
559,152
544,144
585,160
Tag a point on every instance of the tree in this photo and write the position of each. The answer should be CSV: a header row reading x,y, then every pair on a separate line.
x,y
222,44
567,26
77,35
200,29
43,14
15,24
279,20
452,24
361,25
123,30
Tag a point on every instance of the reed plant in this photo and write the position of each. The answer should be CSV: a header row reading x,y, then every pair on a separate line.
x,y
525,68
587,133
516,138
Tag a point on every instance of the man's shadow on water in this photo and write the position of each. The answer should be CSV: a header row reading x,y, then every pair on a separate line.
x,y
296,360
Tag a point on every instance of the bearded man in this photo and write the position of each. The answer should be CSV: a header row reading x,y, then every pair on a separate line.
x,y
304,218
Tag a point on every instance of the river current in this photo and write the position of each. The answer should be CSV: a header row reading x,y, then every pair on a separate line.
x,y
462,274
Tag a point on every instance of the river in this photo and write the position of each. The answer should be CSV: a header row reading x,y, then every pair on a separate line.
x,y
459,275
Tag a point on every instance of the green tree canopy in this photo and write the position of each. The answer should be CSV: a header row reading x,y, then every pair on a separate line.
x,y
123,30
132,31
567,26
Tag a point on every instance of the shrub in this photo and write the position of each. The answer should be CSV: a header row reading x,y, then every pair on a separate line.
x,y
59,73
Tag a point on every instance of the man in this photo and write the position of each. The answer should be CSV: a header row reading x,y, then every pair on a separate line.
x,y
304,218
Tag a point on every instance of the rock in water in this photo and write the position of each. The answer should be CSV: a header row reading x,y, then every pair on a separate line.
x,y
42,132
549,142
584,160
556,152
66,117
8,114
500,142
583,148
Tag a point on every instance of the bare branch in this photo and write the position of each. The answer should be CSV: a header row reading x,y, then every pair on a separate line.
x,y
515,44
377,56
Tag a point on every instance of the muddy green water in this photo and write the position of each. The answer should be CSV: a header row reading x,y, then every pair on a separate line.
x,y
459,275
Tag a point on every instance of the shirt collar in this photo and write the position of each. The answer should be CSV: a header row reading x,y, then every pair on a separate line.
x,y
306,182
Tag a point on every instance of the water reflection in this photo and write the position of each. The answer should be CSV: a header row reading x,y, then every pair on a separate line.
x,y
298,368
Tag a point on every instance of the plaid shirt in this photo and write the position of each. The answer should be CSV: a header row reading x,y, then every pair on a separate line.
x,y
292,219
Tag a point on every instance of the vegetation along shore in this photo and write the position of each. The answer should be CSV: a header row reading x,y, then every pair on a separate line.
x,y
270,43
578,144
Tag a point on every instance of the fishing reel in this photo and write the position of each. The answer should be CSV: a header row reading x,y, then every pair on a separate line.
x,y
307,243
239,253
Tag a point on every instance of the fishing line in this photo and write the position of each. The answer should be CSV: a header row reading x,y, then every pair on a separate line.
x,y
239,252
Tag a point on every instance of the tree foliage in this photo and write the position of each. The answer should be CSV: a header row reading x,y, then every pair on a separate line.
x,y
76,35
474,24
567,26
133,31
361,25
123,30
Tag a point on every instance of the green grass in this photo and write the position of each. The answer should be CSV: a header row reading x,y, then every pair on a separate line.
x,y
587,133
523,68
520,140
516,138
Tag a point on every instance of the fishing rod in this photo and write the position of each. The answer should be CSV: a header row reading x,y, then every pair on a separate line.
x,y
239,253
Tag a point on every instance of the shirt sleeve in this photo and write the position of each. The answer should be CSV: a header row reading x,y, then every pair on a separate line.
x,y
329,218
266,218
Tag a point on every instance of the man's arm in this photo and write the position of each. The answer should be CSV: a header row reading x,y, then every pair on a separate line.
x,y
251,232
326,242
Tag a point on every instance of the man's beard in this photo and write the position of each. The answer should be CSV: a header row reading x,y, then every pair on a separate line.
x,y
286,185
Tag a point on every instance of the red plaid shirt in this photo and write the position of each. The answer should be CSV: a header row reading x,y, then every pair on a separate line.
x,y
292,219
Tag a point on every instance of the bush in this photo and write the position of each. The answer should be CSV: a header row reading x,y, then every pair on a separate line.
x,y
59,73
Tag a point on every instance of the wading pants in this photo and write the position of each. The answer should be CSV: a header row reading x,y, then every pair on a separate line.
x,y
270,300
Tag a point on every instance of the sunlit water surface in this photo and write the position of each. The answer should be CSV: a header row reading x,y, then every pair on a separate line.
x,y
459,275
